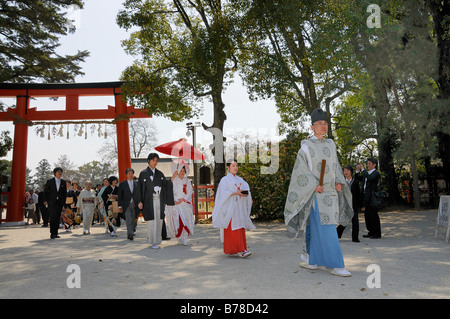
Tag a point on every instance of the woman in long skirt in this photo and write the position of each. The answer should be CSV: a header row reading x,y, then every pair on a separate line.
x,y
110,195
180,218
232,207
86,203
101,205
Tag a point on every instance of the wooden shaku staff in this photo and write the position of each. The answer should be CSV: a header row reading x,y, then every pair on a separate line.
x,y
322,172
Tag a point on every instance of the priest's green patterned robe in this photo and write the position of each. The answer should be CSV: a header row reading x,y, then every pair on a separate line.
x,y
334,207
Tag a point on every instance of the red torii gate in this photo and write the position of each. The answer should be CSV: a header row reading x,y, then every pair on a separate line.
x,y
23,115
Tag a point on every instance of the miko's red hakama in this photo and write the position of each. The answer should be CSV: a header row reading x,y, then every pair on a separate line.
x,y
234,241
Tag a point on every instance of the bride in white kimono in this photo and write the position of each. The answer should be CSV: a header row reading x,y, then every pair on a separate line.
x,y
180,218
86,203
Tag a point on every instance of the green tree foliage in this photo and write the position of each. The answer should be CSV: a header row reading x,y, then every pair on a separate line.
x,y
44,171
269,191
440,12
29,38
386,88
94,171
185,53
68,166
5,143
355,126
297,52
308,54
401,92
30,31
5,170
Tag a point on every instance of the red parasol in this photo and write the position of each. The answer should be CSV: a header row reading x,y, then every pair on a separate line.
x,y
181,149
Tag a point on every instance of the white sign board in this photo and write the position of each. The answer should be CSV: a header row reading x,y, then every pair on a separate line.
x,y
443,216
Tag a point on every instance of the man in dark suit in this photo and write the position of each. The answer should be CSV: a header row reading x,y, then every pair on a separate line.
x,y
154,192
370,179
128,202
55,197
356,203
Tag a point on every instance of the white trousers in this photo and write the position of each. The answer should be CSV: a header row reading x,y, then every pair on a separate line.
x,y
154,226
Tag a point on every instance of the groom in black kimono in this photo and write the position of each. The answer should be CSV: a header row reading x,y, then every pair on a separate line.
x,y
151,184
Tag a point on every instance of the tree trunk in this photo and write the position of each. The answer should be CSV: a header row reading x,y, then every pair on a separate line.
x,y
441,17
386,143
415,182
431,178
440,12
385,158
330,129
381,105
219,121
444,154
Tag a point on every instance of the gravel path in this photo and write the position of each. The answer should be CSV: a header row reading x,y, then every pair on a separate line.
x,y
412,263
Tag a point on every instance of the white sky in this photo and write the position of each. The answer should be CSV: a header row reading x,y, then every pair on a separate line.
x,y
98,33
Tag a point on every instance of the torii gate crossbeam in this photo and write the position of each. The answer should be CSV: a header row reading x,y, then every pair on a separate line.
x,y
22,115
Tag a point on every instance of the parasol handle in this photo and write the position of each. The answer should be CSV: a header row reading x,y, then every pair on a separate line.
x,y
322,172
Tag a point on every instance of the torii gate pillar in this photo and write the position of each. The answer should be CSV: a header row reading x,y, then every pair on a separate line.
x,y
19,163
123,138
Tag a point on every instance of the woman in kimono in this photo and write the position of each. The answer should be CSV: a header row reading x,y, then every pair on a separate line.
x,y
109,195
75,193
86,204
68,215
232,207
179,217
101,205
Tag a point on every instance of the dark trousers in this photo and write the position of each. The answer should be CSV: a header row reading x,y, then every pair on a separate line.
x,y
372,221
355,227
54,214
44,214
38,214
130,220
164,230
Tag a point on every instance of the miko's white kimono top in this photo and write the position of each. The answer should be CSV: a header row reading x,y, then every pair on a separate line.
x,y
234,208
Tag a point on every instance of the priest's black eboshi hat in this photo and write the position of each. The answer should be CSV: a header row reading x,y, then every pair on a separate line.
x,y
318,115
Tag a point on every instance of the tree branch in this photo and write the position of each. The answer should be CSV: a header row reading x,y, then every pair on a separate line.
x,y
183,14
